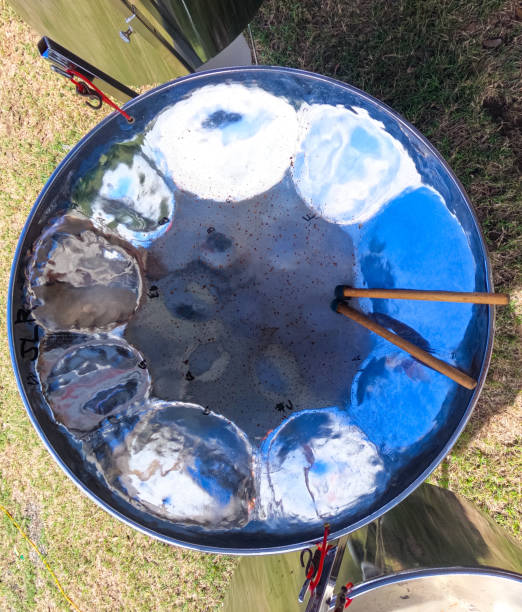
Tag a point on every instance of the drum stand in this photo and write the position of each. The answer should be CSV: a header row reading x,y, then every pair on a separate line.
x,y
433,549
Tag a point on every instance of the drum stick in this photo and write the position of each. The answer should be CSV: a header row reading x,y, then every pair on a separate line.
x,y
500,299
441,366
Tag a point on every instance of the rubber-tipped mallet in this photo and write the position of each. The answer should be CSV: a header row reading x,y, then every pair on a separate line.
x,y
499,299
441,366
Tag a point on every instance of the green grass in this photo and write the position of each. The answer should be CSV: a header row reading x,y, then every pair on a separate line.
x,y
17,588
426,59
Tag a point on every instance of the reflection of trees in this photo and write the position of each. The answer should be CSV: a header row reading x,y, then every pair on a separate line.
x,y
86,192
87,188
434,528
212,24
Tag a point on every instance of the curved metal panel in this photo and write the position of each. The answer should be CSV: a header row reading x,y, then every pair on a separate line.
x,y
140,43
441,589
203,243
434,551
91,30
208,26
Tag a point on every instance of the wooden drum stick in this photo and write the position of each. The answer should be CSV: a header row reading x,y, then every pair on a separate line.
x,y
415,351
500,299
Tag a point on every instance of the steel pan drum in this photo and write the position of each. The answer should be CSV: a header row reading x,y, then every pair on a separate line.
x,y
170,321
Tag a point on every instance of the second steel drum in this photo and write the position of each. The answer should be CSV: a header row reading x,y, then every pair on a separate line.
x,y
170,322
434,552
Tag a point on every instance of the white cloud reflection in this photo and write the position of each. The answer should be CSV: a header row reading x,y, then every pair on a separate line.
x,y
185,465
348,166
225,142
315,466
135,200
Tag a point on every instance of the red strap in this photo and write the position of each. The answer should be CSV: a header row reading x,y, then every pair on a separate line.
x,y
349,587
71,72
324,549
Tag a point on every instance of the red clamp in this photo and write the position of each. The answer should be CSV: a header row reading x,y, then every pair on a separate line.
x,y
85,87
348,586
343,601
316,569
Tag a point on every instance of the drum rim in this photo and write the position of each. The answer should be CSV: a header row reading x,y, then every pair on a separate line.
x,y
369,586
278,549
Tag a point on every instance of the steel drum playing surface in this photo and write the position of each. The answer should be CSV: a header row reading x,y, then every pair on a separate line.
x,y
171,328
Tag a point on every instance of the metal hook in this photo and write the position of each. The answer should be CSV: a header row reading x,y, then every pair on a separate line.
x,y
94,96
308,552
82,89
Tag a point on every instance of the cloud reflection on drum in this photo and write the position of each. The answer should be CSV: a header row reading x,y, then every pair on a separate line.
x,y
182,463
226,142
127,194
348,166
315,466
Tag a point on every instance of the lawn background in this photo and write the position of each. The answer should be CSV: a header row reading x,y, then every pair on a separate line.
x,y
452,68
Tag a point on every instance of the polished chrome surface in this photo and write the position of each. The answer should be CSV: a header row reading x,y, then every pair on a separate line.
x,y
315,600
432,528
328,592
433,549
237,53
61,60
208,26
458,590
90,29
204,241
143,42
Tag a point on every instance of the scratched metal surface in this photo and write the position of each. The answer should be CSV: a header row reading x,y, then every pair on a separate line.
x,y
170,322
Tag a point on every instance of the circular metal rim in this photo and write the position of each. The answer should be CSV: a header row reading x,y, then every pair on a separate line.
x,y
383,581
390,504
